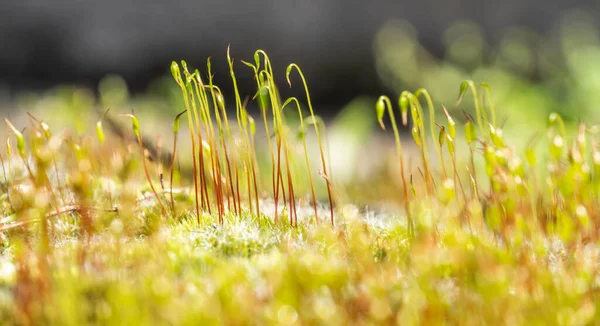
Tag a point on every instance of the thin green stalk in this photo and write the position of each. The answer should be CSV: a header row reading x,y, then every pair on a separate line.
x,y
47,135
323,164
218,103
382,104
441,141
292,200
306,160
471,137
176,72
421,139
452,152
488,92
280,130
214,150
205,201
173,156
278,127
273,94
241,115
233,183
21,148
101,139
262,102
254,166
136,131
431,108
468,84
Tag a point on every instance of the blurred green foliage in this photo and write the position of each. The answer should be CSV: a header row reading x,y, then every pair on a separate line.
x,y
82,243
531,74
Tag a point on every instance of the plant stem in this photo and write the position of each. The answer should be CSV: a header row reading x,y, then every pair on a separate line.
x,y
162,207
312,114
386,101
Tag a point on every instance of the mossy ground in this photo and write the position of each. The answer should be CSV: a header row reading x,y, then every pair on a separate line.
x,y
481,231
366,270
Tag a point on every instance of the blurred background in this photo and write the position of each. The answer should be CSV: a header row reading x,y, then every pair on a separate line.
x,y
346,48
61,57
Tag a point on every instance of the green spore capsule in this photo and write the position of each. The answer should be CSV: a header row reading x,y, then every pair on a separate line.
x,y
175,72
470,132
263,97
177,121
403,103
380,109
442,136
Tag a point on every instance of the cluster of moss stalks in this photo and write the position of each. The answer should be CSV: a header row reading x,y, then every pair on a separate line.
x,y
83,188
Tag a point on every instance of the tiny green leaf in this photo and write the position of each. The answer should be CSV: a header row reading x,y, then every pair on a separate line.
x,y
248,64
135,124
470,131
176,122
20,138
263,96
257,59
184,65
496,136
450,142
488,91
451,123
442,136
463,89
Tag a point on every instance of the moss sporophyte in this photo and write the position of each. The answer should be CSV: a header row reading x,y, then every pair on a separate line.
x,y
474,221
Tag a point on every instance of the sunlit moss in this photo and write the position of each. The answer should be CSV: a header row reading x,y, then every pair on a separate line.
x,y
86,236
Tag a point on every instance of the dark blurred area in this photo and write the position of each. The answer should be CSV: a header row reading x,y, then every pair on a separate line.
x,y
50,42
